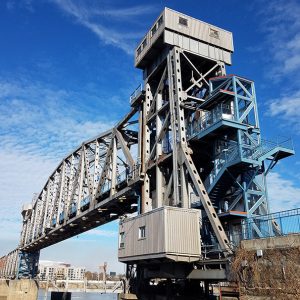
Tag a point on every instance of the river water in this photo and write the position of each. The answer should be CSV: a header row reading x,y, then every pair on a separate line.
x,y
82,296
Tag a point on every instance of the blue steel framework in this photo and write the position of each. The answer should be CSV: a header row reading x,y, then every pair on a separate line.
x,y
191,140
237,182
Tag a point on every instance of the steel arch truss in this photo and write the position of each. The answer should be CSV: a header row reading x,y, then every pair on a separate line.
x,y
100,169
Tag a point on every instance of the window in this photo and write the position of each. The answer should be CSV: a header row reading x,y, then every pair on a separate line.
x,y
122,240
142,232
153,30
144,43
214,33
183,21
138,51
160,21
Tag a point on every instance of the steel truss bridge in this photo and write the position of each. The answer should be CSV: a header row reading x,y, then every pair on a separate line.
x,y
191,139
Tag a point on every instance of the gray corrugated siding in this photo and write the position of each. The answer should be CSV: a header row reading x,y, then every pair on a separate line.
x,y
195,37
169,231
198,30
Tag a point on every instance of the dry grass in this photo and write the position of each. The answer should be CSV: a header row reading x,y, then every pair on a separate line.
x,y
275,275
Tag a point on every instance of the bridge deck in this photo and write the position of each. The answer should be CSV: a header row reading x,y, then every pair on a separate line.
x,y
105,211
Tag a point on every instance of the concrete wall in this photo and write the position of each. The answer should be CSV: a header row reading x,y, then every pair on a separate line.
x,y
3,289
292,240
22,289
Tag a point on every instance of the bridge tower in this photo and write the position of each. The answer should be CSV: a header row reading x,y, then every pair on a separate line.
x,y
177,63
200,148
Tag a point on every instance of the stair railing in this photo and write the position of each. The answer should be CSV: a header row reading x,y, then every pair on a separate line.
x,y
265,146
226,157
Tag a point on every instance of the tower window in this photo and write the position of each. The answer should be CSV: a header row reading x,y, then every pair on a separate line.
x,y
122,240
183,21
153,30
142,232
144,43
214,33
139,50
160,21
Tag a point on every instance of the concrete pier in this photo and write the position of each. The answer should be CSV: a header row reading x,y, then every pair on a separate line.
x,y
21,289
4,287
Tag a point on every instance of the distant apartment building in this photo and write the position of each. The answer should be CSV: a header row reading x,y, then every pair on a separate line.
x,y
76,273
51,270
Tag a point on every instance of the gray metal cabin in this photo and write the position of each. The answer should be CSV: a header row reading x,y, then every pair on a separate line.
x,y
177,29
165,233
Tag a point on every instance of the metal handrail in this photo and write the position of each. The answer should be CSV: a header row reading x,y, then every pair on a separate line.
x,y
270,225
224,158
73,207
85,201
286,143
121,177
124,176
105,187
266,145
222,111
61,216
136,93
231,153
280,214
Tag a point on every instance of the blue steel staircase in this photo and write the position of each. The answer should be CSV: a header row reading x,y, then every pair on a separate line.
x,y
219,179
228,164
228,118
224,160
273,150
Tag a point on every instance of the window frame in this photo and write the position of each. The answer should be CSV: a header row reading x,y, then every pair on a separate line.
x,y
153,30
183,21
142,232
214,33
139,51
121,240
144,43
160,21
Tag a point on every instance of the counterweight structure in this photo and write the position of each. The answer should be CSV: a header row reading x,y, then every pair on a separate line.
x,y
191,140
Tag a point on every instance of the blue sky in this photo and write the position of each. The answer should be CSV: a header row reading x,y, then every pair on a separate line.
x,y
66,73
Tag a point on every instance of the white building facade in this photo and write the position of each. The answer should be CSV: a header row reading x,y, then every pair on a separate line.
x,y
51,270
